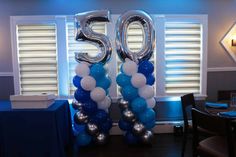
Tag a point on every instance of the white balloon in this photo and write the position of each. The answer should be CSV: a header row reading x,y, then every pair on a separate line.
x,y
151,102
130,67
146,92
98,94
104,104
82,70
88,83
138,80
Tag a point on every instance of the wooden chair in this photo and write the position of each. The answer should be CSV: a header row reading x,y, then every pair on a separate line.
x,y
187,101
221,145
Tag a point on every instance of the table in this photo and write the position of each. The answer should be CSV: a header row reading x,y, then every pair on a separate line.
x,y
35,132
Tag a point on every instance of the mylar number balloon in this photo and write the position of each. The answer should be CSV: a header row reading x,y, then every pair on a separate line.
x,y
121,35
85,33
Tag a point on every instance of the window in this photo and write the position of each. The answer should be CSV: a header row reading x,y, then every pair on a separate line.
x,y
182,57
44,46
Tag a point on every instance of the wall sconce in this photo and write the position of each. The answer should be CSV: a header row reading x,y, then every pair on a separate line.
x,y
229,42
233,41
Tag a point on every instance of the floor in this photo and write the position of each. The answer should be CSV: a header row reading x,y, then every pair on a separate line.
x,y
164,145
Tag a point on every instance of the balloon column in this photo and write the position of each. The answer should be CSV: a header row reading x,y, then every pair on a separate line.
x,y
136,79
92,101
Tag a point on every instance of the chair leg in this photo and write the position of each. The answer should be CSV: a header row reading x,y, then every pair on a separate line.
x,y
184,144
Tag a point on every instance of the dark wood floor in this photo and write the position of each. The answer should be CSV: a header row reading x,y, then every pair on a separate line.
x,y
164,145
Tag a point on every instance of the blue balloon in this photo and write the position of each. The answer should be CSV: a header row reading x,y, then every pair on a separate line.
x,y
101,116
150,125
147,116
76,81
129,93
77,129
123,80
97,71
146,67
106,126
150,79
82,95
131,138
90,107
83,139
104,83
94,120
138,105
124,125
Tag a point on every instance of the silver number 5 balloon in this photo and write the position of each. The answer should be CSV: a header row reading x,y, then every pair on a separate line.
x,y
85,33
121,36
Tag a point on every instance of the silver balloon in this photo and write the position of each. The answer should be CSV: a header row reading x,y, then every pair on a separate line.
x,y
101,139
76,105
121,36
129,116
92,129
138,129
80,118
85,33
123,104
147,137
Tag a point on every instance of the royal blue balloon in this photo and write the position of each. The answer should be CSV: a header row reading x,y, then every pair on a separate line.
x,y
147,116
124,125
129,93
106,126
83,139
123,80
94,120
82,95
150,79
104,82
97,71
131,138
150,125
76,81
101,116
78,129
146,67
89,107
138,105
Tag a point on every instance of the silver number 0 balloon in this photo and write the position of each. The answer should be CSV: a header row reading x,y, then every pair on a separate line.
x,y
121,36
85,33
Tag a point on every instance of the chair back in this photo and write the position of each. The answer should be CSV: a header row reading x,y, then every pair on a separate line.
x,y
219,125
187,101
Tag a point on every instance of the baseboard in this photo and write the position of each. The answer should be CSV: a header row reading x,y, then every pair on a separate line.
x,y
221,69
160,128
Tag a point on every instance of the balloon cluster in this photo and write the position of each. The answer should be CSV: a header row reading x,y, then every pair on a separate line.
x,y
138,116
92,120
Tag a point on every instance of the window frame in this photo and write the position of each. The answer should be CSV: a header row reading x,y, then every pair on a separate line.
x,y
63,62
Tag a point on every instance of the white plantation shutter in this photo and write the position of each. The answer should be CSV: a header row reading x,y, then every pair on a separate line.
x,y
135,39
79,46
183,50
37,58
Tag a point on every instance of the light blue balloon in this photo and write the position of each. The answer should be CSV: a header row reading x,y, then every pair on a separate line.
x,y
147,116
97,71
104,83
129,93
138,105
123,80
83,139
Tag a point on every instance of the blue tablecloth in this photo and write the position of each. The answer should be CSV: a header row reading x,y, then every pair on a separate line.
x,y
35,132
